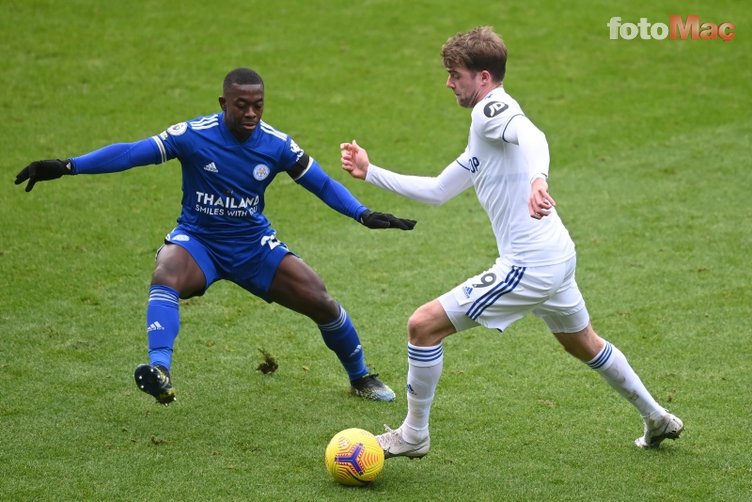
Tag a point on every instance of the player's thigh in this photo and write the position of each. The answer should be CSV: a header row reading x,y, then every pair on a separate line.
x,y
565,310
185,262
176,267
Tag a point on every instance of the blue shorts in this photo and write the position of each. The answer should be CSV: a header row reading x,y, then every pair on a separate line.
x,y
250,265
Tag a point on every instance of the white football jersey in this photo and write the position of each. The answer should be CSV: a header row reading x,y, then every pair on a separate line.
x,y
502,183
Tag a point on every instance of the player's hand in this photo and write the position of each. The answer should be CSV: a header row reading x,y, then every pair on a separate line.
x,y
372,219
354,159
540,203
42,170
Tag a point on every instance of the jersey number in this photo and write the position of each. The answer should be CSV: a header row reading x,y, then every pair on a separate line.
x,y
270,240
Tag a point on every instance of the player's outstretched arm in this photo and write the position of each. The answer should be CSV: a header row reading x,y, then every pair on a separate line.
x,y
355,161
109,159
435,190
339,198
43,170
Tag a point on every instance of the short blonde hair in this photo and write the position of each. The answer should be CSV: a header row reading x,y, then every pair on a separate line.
x,y
478,49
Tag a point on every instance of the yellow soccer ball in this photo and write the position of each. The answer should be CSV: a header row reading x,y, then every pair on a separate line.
x,y
353,457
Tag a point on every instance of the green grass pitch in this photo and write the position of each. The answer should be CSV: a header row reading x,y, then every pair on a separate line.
x,y
650,148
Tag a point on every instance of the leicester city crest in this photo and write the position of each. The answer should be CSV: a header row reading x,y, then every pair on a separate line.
x,y
260,172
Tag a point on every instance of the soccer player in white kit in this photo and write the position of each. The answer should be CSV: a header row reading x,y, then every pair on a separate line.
x,y
506,161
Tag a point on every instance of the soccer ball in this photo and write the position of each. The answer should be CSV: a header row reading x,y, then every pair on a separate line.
x,y
353,457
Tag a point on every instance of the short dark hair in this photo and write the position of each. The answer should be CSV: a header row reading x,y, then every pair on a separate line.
x,y
242,76
478,49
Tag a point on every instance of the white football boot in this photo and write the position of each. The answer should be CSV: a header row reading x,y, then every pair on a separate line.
x,y
657,429
395,446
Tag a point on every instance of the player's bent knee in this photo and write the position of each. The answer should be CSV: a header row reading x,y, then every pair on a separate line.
x,y
584,345
185,283
420,328
321,307
329,305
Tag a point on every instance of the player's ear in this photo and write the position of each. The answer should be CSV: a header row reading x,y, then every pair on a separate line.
x,y
222,103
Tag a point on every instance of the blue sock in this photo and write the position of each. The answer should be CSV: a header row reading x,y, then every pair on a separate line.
x,y
162,324
340,336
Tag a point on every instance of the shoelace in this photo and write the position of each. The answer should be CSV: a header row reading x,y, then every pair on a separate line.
x,y
391,436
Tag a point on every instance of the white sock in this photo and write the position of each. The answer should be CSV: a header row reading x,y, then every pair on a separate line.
x,y
613,366
424,369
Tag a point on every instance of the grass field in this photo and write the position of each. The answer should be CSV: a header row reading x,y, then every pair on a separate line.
x,y
650,147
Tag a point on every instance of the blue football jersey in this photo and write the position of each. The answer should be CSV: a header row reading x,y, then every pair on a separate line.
x,y
223,179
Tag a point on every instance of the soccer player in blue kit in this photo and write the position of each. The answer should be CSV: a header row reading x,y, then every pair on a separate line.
x,y
228,159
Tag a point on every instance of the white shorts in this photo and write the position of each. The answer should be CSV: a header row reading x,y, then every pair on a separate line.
x,y
505,293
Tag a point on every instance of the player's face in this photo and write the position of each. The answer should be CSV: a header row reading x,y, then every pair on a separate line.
x,y
243,106
466,86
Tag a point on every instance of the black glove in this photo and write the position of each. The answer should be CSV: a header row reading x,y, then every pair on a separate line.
x,y
41,170
373,219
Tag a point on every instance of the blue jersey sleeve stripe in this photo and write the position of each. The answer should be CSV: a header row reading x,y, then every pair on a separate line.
x,y
205,123
161,148
270,130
